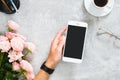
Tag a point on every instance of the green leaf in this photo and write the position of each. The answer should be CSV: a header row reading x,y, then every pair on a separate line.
x,y
12,76
8,76
2,71
8,66
23,78
1,58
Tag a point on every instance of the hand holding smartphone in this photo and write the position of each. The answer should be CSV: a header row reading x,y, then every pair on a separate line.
x,y
75,42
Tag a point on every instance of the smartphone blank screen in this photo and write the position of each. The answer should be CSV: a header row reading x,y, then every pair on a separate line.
x,y
74,41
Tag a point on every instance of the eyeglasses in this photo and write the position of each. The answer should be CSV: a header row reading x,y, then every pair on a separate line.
x,y
108,37
9,6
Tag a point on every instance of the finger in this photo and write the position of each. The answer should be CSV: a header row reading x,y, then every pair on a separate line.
x,y
60,46
62,38
61,43
59,34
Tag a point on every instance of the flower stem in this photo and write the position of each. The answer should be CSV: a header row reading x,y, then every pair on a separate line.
x,y
26,53
1,58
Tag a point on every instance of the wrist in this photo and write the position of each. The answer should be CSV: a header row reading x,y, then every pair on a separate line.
x,y
46,68
51,64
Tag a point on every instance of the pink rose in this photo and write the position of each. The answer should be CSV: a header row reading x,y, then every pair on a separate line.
x,y
17,44
3,38
30,46
14,56
5,46
11,35
13,25
16,66
26,66
21,36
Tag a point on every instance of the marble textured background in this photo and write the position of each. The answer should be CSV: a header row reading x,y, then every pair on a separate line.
x,y
41,19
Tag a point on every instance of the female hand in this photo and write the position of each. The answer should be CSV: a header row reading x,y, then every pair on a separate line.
x,y
56,49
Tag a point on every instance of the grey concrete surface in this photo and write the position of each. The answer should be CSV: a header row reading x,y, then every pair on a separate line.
x,y
41,19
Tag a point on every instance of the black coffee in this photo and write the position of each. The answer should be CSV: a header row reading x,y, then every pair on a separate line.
x,y
100,3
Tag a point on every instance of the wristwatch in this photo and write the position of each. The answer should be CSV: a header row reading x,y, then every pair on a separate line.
x,y
46,69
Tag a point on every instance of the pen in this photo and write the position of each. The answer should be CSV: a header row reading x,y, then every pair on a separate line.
x,y
14,5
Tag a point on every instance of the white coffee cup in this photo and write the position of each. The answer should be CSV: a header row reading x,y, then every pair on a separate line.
x,y
99,8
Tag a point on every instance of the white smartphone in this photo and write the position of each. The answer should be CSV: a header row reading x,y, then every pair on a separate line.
x,y
75,42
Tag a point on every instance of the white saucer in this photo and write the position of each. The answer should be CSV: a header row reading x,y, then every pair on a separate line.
x,y
98,11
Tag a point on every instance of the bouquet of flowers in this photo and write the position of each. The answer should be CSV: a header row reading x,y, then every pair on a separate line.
x,y
13,51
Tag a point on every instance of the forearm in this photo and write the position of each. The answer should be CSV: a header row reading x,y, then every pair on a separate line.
x,y
42,75
54,56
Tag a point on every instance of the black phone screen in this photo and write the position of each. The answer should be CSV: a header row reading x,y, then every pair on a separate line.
x,y
74,41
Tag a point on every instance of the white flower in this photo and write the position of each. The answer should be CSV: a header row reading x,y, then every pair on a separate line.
x,y
3,38
13,55
17,44
5,46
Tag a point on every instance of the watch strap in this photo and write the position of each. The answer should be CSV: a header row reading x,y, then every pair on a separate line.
x,y
46,69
